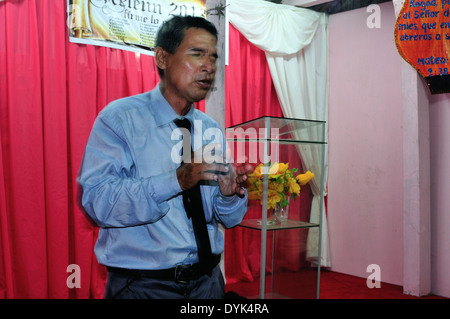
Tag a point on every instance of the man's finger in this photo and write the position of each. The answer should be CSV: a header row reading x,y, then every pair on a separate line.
x,y
218,168
241,178
243,169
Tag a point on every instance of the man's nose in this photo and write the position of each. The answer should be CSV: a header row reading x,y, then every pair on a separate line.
x,y
209,64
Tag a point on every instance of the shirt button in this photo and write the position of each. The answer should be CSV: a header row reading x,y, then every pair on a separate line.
x,y
191,255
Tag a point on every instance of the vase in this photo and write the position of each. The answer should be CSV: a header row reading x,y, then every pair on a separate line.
x,y
277,215
280,214
271,216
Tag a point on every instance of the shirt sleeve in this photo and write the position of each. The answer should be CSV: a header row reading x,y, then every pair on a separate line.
x,y
230,210
112,195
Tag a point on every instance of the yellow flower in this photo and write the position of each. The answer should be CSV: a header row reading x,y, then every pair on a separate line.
x,y
273,185
258,171
254,195
275,170
253,179
303,179
281,183
294,188
273,197
278,169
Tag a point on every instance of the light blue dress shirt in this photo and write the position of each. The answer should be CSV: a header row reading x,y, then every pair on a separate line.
x,y
130,187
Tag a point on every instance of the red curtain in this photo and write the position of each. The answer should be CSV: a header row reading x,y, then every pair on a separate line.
x,y
249,94
50,93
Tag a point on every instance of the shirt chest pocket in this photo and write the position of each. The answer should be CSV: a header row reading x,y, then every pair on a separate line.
x,y
153,156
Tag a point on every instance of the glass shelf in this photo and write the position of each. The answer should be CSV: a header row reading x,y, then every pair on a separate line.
x,y
282,130
285,247
289,224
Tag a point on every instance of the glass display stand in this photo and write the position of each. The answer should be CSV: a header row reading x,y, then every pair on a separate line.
x,y
289,265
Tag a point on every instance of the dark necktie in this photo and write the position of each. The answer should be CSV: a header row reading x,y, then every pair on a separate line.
x,y
192,200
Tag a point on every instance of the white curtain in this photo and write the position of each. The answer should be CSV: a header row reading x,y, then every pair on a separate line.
x,y
295,41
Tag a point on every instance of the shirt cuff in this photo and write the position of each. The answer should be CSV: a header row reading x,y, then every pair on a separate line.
x,y
164,186
229,200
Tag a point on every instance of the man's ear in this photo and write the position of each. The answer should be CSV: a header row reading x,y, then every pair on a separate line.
x,y
160,57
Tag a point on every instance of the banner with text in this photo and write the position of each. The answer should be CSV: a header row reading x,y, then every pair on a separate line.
x,y
422,36
125,24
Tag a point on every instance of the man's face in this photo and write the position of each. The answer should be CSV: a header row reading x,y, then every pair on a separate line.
x,y
189,72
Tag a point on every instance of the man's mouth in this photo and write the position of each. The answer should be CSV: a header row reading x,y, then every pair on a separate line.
x,y
204,83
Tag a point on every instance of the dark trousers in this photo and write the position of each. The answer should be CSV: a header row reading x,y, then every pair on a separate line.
x,y
121,286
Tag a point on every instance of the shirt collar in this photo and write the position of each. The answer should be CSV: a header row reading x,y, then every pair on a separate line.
x,y
163,111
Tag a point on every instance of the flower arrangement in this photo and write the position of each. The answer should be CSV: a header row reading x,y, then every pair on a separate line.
x,y
282,183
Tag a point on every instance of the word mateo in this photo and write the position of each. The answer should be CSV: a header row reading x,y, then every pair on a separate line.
x,y
432,60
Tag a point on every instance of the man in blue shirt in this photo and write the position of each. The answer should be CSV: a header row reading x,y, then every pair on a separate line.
x,y
134,179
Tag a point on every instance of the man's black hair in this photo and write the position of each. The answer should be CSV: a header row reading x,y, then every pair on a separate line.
x,y
172,32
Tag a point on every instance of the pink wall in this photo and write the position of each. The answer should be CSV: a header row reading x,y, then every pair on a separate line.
x,y
440,193
365,187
